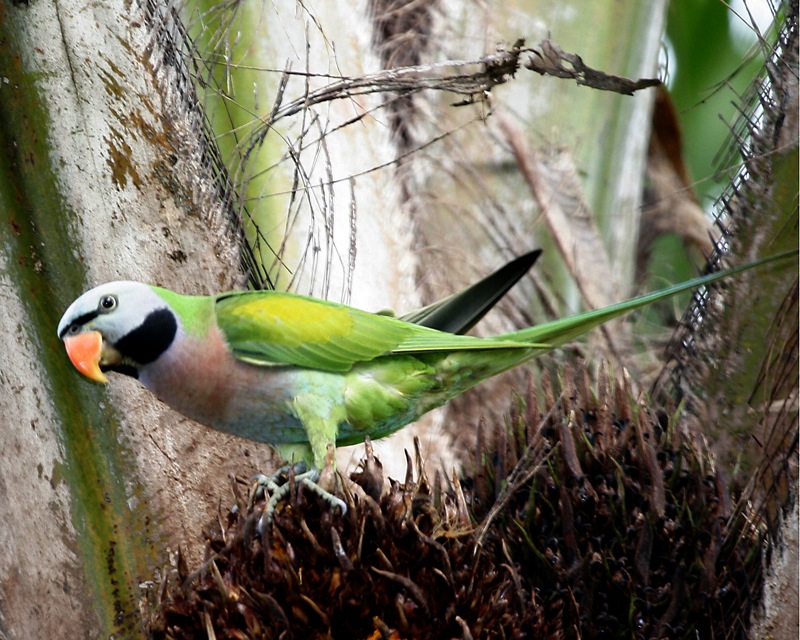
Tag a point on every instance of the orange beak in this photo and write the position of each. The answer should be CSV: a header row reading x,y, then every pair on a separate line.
x,y
85,350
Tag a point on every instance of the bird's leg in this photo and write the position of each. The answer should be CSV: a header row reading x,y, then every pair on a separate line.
x,y
320,420
326,481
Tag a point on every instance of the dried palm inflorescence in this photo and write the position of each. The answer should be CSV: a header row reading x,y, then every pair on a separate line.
x,y
594,519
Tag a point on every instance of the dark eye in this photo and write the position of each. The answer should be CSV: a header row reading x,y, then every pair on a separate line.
x,y
73,329
107,303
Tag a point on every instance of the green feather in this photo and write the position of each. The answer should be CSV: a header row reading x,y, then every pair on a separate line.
x,y
271,328
276,329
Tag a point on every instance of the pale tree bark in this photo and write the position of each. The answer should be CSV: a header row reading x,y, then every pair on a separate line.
x,y
108,174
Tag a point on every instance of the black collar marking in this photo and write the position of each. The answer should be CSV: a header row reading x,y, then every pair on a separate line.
x,y
150,339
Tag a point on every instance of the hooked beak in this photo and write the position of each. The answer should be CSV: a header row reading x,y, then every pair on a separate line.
x,y
85,350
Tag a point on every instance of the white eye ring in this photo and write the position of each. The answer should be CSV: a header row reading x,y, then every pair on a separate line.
x,y
106,304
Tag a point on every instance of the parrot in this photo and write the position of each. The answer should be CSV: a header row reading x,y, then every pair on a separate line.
x,y
304,374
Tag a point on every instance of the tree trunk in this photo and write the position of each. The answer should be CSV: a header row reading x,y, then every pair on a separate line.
x,y
105,175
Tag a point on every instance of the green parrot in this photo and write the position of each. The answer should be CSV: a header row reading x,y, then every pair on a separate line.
x,y
301,373
291,371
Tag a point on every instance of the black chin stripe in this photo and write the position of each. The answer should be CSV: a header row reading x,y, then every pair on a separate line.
x,y
150,339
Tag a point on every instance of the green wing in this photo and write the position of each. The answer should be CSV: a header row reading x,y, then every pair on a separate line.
x,y
270,328
274,328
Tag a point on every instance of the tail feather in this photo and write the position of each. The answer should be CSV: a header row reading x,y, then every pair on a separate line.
x,y
558,332
462,311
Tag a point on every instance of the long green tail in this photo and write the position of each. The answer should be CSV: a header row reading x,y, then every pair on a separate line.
x,y
558,332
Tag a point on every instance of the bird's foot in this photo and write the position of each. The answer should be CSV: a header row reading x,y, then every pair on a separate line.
x,y
279,485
